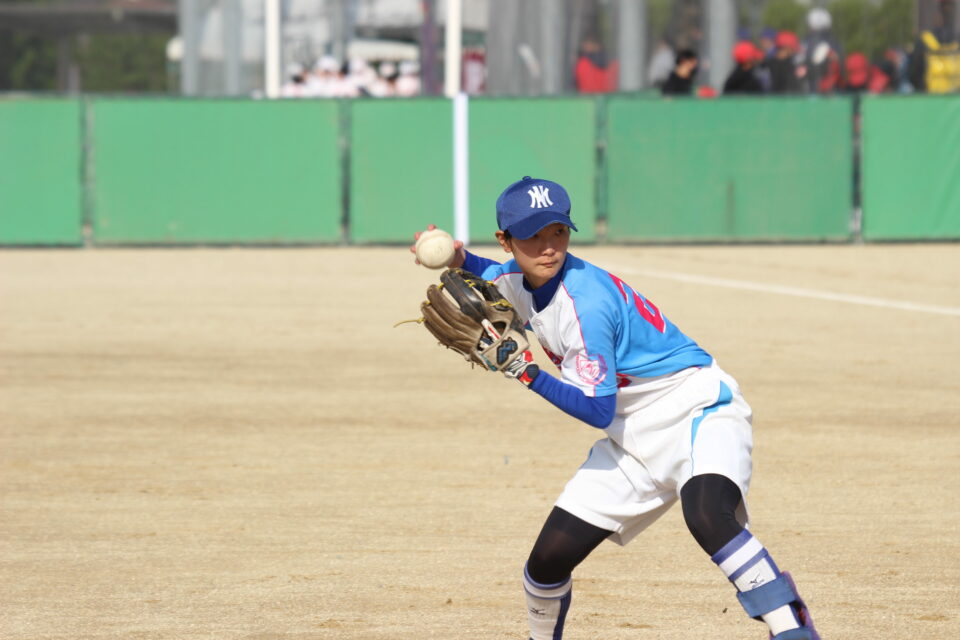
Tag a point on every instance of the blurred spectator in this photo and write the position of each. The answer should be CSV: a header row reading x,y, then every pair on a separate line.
x,y
768,47
362,75
782,64
680,82
935,63
822,55
296,84
343,86
384,85
595,73
661,63
743,79
474,71
894,65
408,84
322,82
863,76
768,41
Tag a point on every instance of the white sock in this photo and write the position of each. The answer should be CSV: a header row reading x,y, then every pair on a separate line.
x,y
747,564
547,606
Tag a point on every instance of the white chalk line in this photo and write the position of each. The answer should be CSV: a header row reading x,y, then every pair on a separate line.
x,y
794,291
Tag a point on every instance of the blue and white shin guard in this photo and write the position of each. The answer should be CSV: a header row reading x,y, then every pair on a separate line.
x,y
764,591
547,606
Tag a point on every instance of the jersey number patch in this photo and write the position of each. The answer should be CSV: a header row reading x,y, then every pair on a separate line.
x,y
645,308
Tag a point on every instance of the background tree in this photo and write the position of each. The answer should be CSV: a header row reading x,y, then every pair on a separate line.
x,y
894,22
785,15
124,63
27,62
107,63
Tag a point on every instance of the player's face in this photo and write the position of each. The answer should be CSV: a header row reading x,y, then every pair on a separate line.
x,y
540,256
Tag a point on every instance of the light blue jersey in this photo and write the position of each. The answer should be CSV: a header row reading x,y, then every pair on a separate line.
x,y
600,332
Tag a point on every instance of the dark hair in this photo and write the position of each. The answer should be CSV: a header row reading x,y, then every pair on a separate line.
x,y
506,235
686,54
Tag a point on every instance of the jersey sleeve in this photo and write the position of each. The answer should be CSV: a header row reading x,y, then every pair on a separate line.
x,y
596,412
484,267
590,352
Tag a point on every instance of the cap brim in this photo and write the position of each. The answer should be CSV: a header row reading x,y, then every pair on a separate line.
x,y
532,224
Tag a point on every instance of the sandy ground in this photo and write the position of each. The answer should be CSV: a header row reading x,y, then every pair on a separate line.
x,y
237,444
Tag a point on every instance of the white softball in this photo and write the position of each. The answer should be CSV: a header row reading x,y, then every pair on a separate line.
x,y
434,248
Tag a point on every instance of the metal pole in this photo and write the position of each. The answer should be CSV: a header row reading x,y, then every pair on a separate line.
x,y
632,43
721,33
428,48
190,36
271,58
232,45
461,168
551,53
453,53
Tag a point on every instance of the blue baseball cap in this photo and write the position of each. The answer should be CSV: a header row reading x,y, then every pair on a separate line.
x,y
530,204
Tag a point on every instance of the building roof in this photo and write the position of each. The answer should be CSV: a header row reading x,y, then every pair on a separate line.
x,y
90,16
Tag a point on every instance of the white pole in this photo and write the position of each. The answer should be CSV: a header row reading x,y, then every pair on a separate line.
x,y
453,52
271,58
721,36
461,168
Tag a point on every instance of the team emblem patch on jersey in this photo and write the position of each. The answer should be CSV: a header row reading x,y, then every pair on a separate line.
x,y
591,370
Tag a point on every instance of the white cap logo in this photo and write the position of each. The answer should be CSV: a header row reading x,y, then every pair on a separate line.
x,y
539,197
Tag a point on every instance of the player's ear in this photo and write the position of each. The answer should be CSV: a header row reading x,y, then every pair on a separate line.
x,y
504,239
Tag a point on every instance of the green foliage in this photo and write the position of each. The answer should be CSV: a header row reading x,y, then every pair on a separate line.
x,y
894,22
785,15
108,63
871,28
27,63
851,23
124,63
658,16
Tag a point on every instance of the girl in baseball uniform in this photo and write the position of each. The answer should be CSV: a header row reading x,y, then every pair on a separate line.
x,y
676,426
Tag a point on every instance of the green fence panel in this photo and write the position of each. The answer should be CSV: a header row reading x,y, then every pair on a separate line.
x,y
216,172
911,167
41,150
401,168
729,169
553,139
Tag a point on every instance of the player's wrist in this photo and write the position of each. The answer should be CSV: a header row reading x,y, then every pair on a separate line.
x,y
530,373
523,368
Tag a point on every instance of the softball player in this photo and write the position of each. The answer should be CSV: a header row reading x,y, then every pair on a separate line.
x,y
675,424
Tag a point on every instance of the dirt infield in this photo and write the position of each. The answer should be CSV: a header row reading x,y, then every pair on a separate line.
x,y
237,444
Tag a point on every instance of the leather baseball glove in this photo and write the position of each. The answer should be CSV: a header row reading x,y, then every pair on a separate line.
x,y
476,321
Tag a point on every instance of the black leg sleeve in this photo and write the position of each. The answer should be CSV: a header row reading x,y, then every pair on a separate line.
x,y
710,504
563,543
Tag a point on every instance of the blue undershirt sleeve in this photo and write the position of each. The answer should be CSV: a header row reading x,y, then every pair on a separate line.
x,y
596,412
477,265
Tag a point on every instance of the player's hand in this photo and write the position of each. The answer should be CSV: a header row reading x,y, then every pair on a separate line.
x,y
522,368
459,255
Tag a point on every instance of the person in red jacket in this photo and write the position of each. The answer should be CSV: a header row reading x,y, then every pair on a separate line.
x,y
595,73
863,76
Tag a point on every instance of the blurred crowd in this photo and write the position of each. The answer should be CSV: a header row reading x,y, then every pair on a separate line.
x,y
329,78
775,62
779,62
